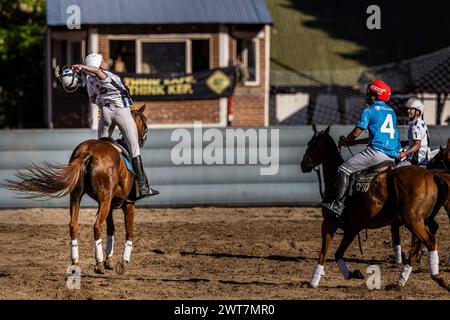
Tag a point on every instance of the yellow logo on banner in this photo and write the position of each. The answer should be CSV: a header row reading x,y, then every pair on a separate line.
x,y
218,82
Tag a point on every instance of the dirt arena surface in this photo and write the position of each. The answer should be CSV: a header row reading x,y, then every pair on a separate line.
x,y
201,253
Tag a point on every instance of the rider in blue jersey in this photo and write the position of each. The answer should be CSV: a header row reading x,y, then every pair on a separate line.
x,y
383,142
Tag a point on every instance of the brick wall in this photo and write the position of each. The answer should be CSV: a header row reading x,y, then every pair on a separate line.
x,y
181,111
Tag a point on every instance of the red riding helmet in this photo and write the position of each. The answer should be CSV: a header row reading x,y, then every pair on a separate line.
x,y
381,90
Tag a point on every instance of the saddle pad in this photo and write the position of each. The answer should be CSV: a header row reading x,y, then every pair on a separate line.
x,y
121,148
363,182
128,164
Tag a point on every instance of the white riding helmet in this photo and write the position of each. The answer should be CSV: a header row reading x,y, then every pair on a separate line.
x,y
93,60
414,103
70,80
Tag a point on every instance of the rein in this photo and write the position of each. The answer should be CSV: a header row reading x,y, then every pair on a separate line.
x,y
444,165
317,170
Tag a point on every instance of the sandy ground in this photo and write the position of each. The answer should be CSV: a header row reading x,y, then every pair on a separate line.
x,y
201,253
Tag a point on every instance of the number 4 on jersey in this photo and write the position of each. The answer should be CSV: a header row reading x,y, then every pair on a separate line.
x,y
388,126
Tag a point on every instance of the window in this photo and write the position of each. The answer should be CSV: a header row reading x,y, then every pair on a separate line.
x,y
163,57
122,54
67,51
200,55
247,60
151,55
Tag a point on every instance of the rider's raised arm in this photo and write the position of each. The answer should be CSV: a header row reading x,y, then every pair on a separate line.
x,y
97,71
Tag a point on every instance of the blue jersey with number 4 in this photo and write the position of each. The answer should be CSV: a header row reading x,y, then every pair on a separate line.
x,y
381,121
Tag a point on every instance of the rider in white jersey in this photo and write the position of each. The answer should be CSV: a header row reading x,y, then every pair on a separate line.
x,y
418,152
107,91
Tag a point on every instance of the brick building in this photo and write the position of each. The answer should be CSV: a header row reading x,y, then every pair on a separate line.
x,y
161,36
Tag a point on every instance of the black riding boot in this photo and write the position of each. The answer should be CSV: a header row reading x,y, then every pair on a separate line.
x,y
143,190
337,206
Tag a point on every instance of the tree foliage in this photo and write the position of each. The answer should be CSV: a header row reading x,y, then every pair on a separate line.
x,y
22,26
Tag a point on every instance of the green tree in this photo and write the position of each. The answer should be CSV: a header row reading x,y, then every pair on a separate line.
x,y
22,25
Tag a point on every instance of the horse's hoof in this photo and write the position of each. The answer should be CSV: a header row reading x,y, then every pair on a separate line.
x,y
307,284
121,267
441,282
393,287
356,275
109,264
99,268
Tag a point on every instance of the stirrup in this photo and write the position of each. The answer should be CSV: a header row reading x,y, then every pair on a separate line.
x,y
336,209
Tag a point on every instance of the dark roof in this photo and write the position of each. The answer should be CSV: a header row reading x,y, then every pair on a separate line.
x,y
427,73
161,11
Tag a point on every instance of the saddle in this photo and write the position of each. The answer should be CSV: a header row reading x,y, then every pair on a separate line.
x,y
122,148
360,181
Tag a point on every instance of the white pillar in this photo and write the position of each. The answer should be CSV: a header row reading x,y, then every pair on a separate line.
x,y
267,74
224,57
93,46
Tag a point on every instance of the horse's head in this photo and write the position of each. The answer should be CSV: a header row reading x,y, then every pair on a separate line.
x,y
317,149
441,160
141,124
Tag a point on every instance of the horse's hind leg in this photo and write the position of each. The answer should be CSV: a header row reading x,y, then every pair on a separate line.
x,y
109,241
349,235
429,240
75,198
102,214
328,230
433,227
128,210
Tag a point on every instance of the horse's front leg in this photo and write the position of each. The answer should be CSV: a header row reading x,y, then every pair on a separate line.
x,y
329,228
109,241
128,210
349,235
396,246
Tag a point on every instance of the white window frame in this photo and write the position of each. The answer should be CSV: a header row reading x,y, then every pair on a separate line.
x,y
187,53
242,35
186,38
257,63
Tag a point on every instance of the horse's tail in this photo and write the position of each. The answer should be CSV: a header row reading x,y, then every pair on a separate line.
x,y
50,180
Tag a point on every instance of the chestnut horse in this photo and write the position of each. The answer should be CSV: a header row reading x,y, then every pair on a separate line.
x,y
407,195
96,169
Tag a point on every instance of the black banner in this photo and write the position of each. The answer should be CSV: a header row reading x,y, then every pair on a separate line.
x,y
208,84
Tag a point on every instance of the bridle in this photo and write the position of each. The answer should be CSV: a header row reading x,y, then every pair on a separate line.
x,y
308,161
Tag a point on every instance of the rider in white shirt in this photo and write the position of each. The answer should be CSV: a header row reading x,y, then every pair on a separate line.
x,y
418,152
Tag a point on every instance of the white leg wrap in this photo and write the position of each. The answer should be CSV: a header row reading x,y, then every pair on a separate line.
x,y
404,276
109,246
398,254
74,251
317,275
98,251
127,250
433,262
343,268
